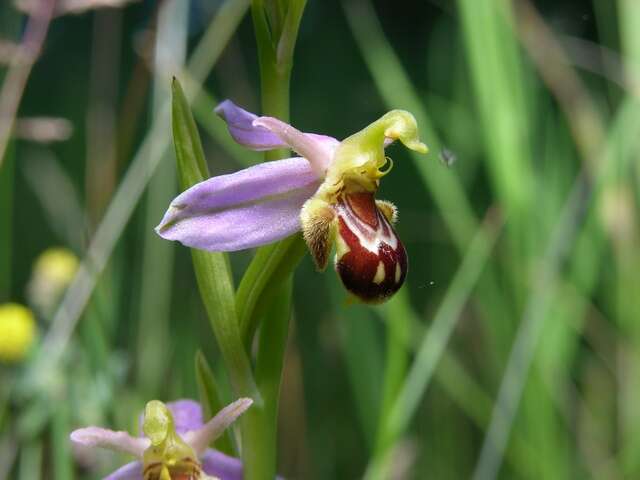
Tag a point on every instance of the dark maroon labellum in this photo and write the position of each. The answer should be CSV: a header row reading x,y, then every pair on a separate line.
x,y
370,258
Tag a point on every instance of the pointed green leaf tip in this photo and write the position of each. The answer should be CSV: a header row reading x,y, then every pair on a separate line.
x,y
192,166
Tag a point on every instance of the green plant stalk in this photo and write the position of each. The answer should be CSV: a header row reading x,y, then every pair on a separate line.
x,y
269,364
274,75
269,268
259,434
259,428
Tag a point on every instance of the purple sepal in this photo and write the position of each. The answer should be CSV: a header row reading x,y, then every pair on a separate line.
x,y
248,132
241,128
252,207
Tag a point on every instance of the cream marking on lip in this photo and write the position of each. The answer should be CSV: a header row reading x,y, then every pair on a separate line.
x,y
380,274
369,238
398,273
341,247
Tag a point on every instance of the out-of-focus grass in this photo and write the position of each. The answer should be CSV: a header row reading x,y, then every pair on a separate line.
x,y
512,350
155,281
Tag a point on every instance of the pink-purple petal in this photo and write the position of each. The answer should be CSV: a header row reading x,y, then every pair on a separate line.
x,y
105,438
130,471
199,439
317,149
241,128
252,207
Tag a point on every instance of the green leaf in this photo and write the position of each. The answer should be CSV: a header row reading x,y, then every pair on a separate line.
x,y
211,268
270,267
192,166
210,399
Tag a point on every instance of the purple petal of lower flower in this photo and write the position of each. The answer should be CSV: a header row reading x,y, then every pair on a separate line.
x,y
130,471
221,466
252,207
187,415
241,128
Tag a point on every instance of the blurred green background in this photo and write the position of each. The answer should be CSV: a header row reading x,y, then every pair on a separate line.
x,y
513,351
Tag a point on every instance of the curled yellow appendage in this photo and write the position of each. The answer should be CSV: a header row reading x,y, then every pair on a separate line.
x,y
360,159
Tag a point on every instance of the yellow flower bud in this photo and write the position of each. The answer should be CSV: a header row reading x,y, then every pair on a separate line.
x,y
17,332
52,272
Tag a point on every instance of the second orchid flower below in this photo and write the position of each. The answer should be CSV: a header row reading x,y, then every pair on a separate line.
x,y
328,193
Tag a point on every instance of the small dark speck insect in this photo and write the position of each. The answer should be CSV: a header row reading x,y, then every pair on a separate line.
x,y
447,157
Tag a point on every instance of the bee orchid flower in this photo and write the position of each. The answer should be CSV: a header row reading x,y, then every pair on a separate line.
x,y
175,443
328,193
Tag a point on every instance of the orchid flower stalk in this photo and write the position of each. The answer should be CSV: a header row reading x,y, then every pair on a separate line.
x,y
328,193
175,444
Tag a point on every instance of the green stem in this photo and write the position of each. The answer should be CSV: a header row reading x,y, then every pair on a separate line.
x,y
275,73
275,100
269,268
263,419
272,267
